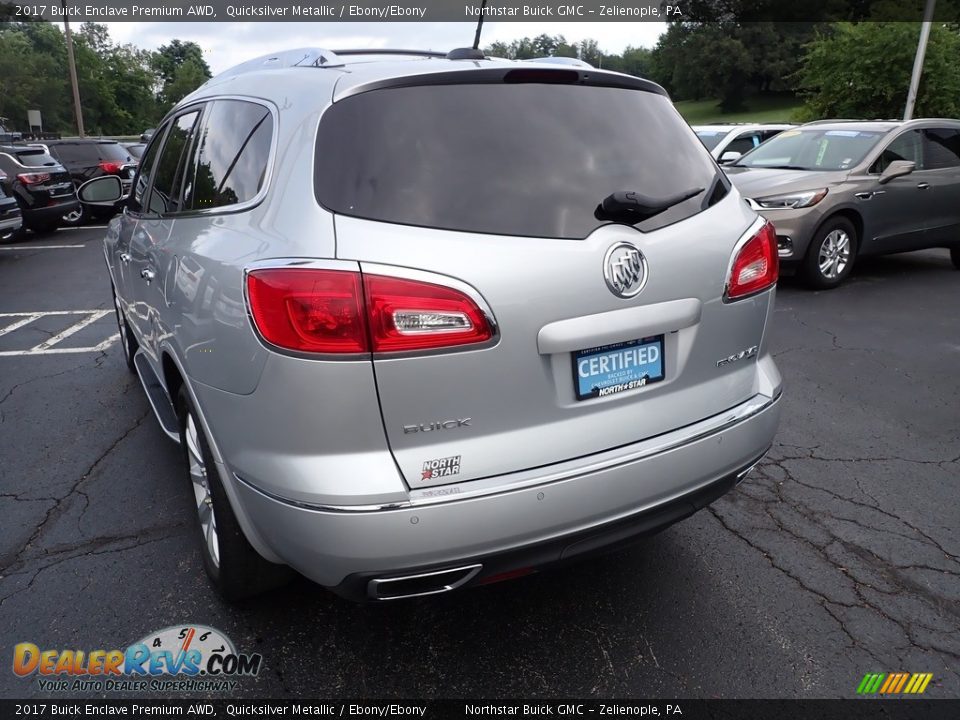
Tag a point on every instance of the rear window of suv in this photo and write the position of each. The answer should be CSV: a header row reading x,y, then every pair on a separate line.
x,y
512,159
35,158
91,153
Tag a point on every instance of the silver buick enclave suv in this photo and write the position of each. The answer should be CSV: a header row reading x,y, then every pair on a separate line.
x,y
423,321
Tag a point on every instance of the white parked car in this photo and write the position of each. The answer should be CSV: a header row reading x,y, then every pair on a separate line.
x,y
728,142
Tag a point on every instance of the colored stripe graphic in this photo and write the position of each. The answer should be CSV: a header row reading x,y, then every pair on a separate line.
x,y
894,683
890,682
901,682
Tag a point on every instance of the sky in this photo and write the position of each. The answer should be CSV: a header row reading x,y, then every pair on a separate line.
x,y
229,43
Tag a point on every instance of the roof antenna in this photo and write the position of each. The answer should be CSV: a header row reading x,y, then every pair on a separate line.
x,y
476,38
471,53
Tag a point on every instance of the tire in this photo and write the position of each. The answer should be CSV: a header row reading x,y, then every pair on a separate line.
x,y
235,569
45,226
128,342
955,257
831,254
12,236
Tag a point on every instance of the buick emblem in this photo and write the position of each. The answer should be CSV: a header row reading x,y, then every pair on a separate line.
x,y
625,269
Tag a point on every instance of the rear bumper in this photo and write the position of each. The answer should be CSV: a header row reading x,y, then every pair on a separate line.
x,y
603,505
50,212
9,224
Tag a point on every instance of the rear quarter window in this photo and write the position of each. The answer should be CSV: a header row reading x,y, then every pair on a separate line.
x,y
231,155
510,159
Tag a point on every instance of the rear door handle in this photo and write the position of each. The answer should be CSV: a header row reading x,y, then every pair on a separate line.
x,y
923,186
147,274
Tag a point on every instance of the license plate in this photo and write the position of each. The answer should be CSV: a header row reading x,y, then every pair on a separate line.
x,y
611,369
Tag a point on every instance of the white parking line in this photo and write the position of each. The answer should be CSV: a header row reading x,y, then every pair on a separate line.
x,y
38,247
76,327
47,346
19,323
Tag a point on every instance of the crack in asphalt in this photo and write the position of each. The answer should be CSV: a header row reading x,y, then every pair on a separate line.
x,y
140,539
893,574
56,509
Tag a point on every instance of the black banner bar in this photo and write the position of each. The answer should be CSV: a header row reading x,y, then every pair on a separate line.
x,y
855,709
470,10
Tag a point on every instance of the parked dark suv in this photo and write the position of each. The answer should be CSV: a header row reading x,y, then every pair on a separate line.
x,y
90,158
10,219
42,186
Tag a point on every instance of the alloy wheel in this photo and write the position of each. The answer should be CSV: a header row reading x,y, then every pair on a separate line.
x,y
834,256
73,216
201,491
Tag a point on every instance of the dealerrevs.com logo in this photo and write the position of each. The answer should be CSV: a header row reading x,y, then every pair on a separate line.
x,y
191,658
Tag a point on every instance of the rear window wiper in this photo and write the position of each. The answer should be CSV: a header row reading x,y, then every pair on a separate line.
x,y
632,207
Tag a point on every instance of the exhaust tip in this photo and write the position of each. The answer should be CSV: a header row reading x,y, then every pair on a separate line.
x,y
421,584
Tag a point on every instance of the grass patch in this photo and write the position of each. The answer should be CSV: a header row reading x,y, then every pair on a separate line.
x,y
759,108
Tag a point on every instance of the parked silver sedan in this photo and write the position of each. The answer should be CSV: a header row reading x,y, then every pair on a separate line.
x,y
836,190
426,322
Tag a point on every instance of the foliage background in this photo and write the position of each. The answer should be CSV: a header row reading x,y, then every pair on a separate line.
x,y
718,64
123,89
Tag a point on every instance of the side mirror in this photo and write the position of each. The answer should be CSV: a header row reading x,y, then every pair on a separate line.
x,y
730,156
898,168
104,190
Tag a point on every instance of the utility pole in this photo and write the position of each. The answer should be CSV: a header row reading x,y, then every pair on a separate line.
x,y
73,70
918,60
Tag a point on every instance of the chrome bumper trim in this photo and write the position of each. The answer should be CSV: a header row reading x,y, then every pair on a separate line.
x,y
482,487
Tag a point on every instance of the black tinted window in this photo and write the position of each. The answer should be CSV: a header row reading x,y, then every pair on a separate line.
x,y
904,147
145,170
233,149
165,195
91,153
744,143
941,148
35,158
523,159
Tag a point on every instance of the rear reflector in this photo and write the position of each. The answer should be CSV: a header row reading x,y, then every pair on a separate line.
x,y
756,266
508,575
340,312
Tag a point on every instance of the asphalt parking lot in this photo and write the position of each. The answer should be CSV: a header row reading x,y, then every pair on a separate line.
x,y
839,556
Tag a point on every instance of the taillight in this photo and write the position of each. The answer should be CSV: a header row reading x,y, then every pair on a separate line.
x,y
111,167
33,178
318,311
756,266
411,315
338,311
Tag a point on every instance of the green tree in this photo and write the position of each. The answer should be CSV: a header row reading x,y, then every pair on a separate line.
x,y
863,71
180,69
186,78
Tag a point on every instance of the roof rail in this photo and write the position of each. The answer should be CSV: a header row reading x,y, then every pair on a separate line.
x,y
852,120
556,60
306,57
392,51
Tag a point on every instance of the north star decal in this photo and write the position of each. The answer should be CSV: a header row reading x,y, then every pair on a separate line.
x,y
441,467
